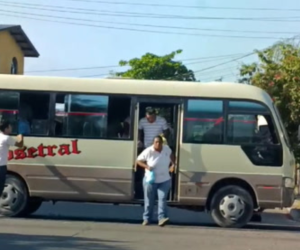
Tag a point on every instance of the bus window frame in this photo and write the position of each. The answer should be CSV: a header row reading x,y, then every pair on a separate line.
x,y
225,116
185,106
132,108
284,132
135,98
267,112
51,110
39,92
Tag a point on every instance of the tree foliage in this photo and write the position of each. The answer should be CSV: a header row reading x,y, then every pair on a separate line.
x,y
154,67
278,72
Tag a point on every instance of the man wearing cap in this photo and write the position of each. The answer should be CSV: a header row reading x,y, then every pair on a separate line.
x,y
150,126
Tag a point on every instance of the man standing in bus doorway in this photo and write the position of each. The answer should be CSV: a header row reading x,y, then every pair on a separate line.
x,y
150,126
5,143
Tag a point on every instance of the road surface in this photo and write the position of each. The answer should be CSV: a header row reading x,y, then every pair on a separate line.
x,y
90,227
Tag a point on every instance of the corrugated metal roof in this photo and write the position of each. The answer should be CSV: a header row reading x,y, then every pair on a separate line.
x,y
21,39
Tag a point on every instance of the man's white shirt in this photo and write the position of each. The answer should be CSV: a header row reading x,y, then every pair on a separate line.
x,y
5,143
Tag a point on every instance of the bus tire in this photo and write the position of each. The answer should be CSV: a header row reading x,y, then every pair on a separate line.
x,y
232,207
14,197
32,206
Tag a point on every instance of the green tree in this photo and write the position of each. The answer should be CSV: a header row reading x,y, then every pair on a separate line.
x,y
153,67
278,72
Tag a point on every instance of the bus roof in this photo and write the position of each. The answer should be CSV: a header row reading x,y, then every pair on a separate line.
x,y
134,87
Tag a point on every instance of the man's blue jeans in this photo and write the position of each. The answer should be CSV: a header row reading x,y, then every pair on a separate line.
x,y
150,191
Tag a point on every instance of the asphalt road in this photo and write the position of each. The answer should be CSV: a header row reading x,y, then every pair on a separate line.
x,y
90,227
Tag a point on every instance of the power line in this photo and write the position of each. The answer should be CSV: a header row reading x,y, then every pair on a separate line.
x,y
146,15
216,76
71,69
183,6
230,61
213,66
167,27
120,28
104,74
220,64
199,60
217,71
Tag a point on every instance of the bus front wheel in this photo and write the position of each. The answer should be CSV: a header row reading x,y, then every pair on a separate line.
x,y
32,206
14,197
232,206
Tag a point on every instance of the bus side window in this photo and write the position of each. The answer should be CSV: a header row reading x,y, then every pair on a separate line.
x,y
90,116
250,125
34,113
248,122
9,108
203,121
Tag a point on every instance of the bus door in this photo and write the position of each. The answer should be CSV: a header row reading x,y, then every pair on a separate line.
x,y
170,109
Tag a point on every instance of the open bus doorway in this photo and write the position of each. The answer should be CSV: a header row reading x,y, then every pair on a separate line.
x,y
169,111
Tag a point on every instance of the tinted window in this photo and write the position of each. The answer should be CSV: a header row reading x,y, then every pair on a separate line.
x,y
92,116
203,121
251,124
244,106
9,108
241,128
253,129
34,114
9,100
87,103
81,115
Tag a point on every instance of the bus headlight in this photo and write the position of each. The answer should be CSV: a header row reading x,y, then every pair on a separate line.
x,y
289,182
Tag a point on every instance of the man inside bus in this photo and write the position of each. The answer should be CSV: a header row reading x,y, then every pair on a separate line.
x,y
25,115
150,126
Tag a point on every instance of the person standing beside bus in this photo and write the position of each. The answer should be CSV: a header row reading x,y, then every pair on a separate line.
x,y
151,126
156,159
5,143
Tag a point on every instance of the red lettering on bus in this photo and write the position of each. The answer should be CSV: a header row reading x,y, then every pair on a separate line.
x,y
51,150
64,149
44,151
20,154
31,152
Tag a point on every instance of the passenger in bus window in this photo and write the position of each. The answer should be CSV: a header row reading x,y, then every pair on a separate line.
x,y
264,133
125,133
151,126
156,160
24,127
25,115
5,143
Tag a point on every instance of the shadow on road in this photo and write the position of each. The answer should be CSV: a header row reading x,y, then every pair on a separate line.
x,y
29,242
252,226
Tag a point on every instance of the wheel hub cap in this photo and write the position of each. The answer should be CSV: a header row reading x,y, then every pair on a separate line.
x,y
9,196
232,207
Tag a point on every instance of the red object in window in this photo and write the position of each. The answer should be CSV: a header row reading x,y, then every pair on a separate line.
x,y
216,121
79,114
9,111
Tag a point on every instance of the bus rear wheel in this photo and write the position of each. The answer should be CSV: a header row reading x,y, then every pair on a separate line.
x,y
14,197
232,206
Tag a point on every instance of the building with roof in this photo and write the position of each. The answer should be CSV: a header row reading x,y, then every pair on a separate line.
x,y
14,47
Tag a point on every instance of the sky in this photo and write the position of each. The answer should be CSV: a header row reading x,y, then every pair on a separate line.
x,y
96,34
